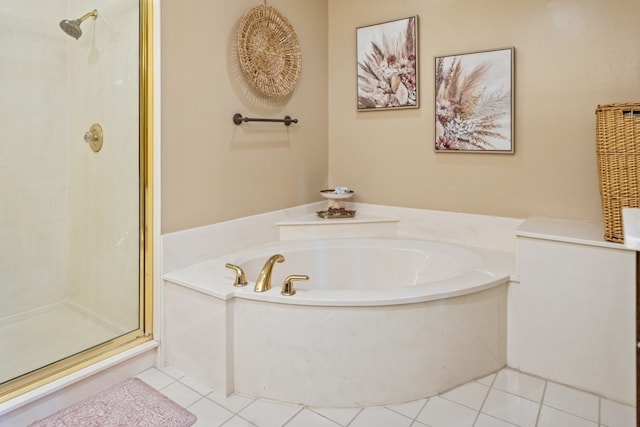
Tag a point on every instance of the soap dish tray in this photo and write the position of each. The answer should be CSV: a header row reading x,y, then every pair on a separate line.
x,y
341,213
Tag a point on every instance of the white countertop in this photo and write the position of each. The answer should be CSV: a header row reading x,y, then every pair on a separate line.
x,y
569,231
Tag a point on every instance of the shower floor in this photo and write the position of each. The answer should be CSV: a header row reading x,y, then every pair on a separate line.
x,y
46,336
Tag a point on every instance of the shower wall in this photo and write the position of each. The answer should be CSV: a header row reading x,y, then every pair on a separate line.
x,y
69,217
34,220
103,186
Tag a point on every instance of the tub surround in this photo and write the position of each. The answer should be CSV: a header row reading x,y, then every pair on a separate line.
x,y
484,231
565,267
189,247
574,308
240,329
348,356
352,346
184,248
358,356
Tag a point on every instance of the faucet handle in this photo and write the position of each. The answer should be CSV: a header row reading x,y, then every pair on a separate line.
x,y
241,279
287,285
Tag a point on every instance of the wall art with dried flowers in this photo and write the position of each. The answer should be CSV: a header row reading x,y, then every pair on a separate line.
x,y
474,102
388,65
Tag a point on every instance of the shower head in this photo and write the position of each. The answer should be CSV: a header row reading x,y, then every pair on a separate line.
x,y
72,27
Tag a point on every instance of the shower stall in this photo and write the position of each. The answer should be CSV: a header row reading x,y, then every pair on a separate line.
x,y
74,179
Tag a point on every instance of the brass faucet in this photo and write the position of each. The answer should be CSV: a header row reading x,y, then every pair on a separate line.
x,y
263,283
287,285
241,279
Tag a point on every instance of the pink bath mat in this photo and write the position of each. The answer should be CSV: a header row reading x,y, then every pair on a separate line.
x,y
129,403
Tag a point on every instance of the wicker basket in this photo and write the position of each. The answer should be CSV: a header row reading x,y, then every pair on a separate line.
x,y
618,153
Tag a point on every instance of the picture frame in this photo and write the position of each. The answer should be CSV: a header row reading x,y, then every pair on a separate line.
x,y
387,65
474,102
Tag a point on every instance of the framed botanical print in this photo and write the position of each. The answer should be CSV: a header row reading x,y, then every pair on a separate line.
x,y
474,102
388,65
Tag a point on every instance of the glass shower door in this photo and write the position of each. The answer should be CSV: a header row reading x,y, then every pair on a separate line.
x,y
71,215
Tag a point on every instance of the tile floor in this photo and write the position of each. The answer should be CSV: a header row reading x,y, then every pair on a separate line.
x,y
504,399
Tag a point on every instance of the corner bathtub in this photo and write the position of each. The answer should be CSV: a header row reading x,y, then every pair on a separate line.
x,y
380,321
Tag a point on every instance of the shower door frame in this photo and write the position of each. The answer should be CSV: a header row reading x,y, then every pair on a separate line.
x,y
144,332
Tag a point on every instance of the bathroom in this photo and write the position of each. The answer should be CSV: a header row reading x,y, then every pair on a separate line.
x,y
570,56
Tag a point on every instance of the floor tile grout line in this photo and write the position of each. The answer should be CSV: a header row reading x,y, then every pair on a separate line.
x,y
441,395
462,404
499,419
250,422
233,414
239,416
167,385
547,381
582,417
600,410
486,396
354,418
400,413
227,420
232,410
520,396
193,389
173,380
544,392
167,373
209,400
571,413
310,408
415,419
294,415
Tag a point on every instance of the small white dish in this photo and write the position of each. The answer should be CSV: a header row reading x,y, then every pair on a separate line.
x,y
331,194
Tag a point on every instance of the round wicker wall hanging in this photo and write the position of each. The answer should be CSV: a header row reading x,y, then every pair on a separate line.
x,y
269,51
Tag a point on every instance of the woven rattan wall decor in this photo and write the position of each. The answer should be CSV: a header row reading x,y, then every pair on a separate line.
x,y
269,51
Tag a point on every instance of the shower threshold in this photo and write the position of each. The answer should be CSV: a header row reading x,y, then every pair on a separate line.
x,y
45,335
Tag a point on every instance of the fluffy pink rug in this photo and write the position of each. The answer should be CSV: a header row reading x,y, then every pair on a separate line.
x,y
129,403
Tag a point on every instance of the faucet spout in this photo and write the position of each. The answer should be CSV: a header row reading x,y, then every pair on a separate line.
x,y
263,283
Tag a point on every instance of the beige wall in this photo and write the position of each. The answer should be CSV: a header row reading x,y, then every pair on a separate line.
x,y
213,170
571,55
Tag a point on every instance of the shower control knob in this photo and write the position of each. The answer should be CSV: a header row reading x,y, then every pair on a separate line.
x,y
89,137
93,137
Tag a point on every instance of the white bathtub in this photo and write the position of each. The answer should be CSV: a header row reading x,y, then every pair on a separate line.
x,y
380,321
